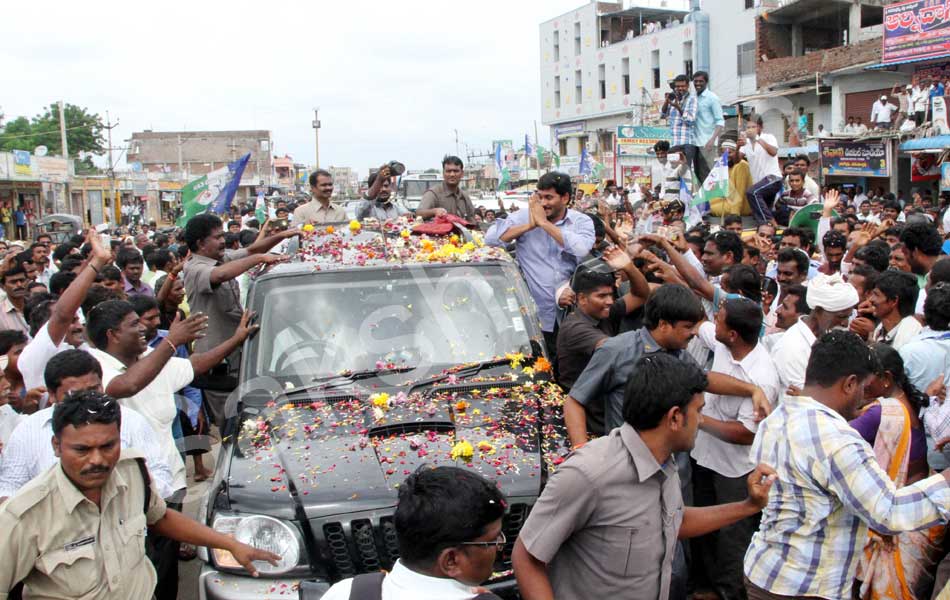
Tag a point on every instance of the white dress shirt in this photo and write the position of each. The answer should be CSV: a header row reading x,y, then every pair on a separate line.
x,y
881,113
725,458
156,402
905,331
404,584
791,353
29,451
9,419
36,354
761,163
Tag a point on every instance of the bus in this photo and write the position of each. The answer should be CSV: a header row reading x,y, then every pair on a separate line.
x,y
412,186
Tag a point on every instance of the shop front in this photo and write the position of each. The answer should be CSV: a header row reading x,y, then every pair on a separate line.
x,y
847,164
634,153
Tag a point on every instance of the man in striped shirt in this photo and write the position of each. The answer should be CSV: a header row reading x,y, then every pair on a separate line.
x,y
830,489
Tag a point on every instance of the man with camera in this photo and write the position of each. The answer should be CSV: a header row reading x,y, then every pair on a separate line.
x,y
377,203
679,109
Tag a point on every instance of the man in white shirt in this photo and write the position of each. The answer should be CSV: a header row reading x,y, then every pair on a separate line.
x,y
831,301
29,451
59,325
859,127
448,526
920,98
660,168
114,328
721,452
894,297
859,196
881,113
761,150
849,128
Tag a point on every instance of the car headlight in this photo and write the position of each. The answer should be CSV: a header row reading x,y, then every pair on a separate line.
x,y
263,533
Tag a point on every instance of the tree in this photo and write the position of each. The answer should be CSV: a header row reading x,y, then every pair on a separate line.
x,y
17,135
84,130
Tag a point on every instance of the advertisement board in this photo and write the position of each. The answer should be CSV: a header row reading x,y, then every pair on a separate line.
x,y
916,29
855,159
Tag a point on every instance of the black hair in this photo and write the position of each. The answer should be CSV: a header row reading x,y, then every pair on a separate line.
x,y
876,256
805,235
161,241
890,361
10,338
896,230
160,259
588,280
745,281
769,285
105,317
148,249
559,182
940,272
96,295
70,263
795,255
200,226
672,303
834,239
599,230
39,315
230,239
803,157
730,219
902,286
681,77
128,256
60,281
702,74
450,159
16,269
443,507
744,317
845,220
661,146
182,251
727,241
86,408
839,354
63,250
892,204
313,183
247,237
751,251
937,307
33,302
923,237
658,383
143,304
69,363
869,273
799,291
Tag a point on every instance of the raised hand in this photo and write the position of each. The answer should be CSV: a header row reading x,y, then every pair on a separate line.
x,y
185,331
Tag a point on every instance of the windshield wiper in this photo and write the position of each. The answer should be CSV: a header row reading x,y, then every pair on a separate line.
x,y
328,381
466,371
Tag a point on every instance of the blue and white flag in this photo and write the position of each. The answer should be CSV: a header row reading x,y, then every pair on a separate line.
x,y
529,148
585,167
213,191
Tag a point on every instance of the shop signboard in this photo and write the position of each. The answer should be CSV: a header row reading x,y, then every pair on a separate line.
x,y
855,159
568,129
915,30
21,162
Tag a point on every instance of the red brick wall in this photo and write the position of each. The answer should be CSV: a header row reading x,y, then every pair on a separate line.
x,y
772,39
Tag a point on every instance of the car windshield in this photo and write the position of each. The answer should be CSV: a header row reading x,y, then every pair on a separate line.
x,y
415,188
429,317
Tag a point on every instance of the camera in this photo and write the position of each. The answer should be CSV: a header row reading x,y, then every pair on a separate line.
x,y
396,168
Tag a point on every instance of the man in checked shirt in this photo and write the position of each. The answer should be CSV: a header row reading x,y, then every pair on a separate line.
x,y
830,489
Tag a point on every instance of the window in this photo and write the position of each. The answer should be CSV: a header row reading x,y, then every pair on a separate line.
x,y
557,46
688,59
871,15
602,81
562,147
745,59
626,76
577,39
655,61
578,87
557,92
749,4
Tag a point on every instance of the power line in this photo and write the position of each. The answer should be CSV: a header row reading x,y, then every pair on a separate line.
x,y
23,135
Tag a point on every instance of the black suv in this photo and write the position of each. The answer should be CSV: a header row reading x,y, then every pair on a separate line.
x,y
377,353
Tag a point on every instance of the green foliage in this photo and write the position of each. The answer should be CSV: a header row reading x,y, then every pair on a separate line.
x,y
84,132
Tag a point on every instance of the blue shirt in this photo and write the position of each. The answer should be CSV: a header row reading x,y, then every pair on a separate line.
x,y
708,117
19,217
936,90
545,264
681,123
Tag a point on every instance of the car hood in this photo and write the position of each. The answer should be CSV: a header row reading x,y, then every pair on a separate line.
x,y
348,452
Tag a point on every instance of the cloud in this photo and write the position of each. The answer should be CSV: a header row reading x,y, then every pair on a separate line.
x,y
392,80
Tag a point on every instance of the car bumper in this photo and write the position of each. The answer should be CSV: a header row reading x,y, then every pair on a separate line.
x,y
216,585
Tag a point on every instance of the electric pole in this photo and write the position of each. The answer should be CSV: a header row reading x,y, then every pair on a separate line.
x,y
117,218
316,135
62,128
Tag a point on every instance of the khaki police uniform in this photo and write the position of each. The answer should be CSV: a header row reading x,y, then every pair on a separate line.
x,y
61,545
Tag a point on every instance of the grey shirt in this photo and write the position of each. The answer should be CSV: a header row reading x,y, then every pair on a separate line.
x,y
456,203
607,521
222,303
371,209
600,386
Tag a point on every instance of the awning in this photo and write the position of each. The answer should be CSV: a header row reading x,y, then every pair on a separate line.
x,y
908,61
937,142
774,94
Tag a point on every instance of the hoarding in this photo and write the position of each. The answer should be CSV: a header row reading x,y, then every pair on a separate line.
x,y
916,30
855,159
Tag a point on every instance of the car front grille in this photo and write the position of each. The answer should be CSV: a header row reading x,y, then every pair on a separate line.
x,y
366,546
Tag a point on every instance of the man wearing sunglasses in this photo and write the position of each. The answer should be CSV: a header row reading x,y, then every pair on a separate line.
x,y
448,523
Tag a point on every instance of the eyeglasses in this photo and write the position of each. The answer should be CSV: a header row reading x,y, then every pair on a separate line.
x,y
499,542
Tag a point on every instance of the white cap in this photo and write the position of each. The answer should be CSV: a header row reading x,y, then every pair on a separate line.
x,y
909,87
883,98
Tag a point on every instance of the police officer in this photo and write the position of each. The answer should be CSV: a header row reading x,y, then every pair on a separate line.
x,y
78,530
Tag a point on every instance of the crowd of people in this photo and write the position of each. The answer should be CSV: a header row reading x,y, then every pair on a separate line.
x,y
754,413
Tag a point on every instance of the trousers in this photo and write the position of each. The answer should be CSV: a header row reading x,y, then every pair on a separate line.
x,y
760,197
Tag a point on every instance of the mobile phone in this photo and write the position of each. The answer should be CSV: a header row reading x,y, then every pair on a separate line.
x,y
280,224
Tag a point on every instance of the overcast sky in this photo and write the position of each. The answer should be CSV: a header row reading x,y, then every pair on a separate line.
x,y
392,79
